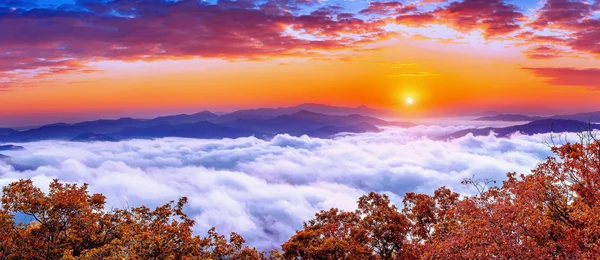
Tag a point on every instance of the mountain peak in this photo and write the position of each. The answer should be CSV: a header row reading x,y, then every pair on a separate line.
x,y
204,113
307,113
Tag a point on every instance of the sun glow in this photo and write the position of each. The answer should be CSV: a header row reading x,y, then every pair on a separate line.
x,y
409,100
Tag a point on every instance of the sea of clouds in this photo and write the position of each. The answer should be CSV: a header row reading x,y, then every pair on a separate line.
x,y
265,189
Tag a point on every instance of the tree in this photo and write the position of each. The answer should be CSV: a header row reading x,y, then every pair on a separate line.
x,y
387,229
71,224
7,235
376,230
552,213
333,234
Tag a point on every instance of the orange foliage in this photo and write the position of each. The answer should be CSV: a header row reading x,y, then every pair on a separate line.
x,y
71,224
552,213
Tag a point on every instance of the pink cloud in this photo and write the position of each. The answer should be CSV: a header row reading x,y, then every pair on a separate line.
x,y
568,76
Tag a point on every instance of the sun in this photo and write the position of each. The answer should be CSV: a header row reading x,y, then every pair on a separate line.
x,y
409,100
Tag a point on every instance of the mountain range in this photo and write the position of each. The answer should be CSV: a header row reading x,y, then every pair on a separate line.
x,y
593,117
313,107
509,118
534,127
307,119
261,123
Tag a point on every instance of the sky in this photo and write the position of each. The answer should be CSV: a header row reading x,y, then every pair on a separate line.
x,y
69,60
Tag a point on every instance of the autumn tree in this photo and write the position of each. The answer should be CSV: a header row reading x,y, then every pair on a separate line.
x,y
386,228
551,213
69,223
376,230
7,234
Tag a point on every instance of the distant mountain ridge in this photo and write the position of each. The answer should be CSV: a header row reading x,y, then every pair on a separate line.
x,y
10,147
6,131
313,107
261,123
534,127
593,117
509,118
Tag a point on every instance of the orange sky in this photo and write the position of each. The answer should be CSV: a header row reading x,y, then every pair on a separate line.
x,y
439,77
456,73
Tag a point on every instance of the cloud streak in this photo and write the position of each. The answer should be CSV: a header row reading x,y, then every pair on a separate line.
x,y
569,76
265,189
